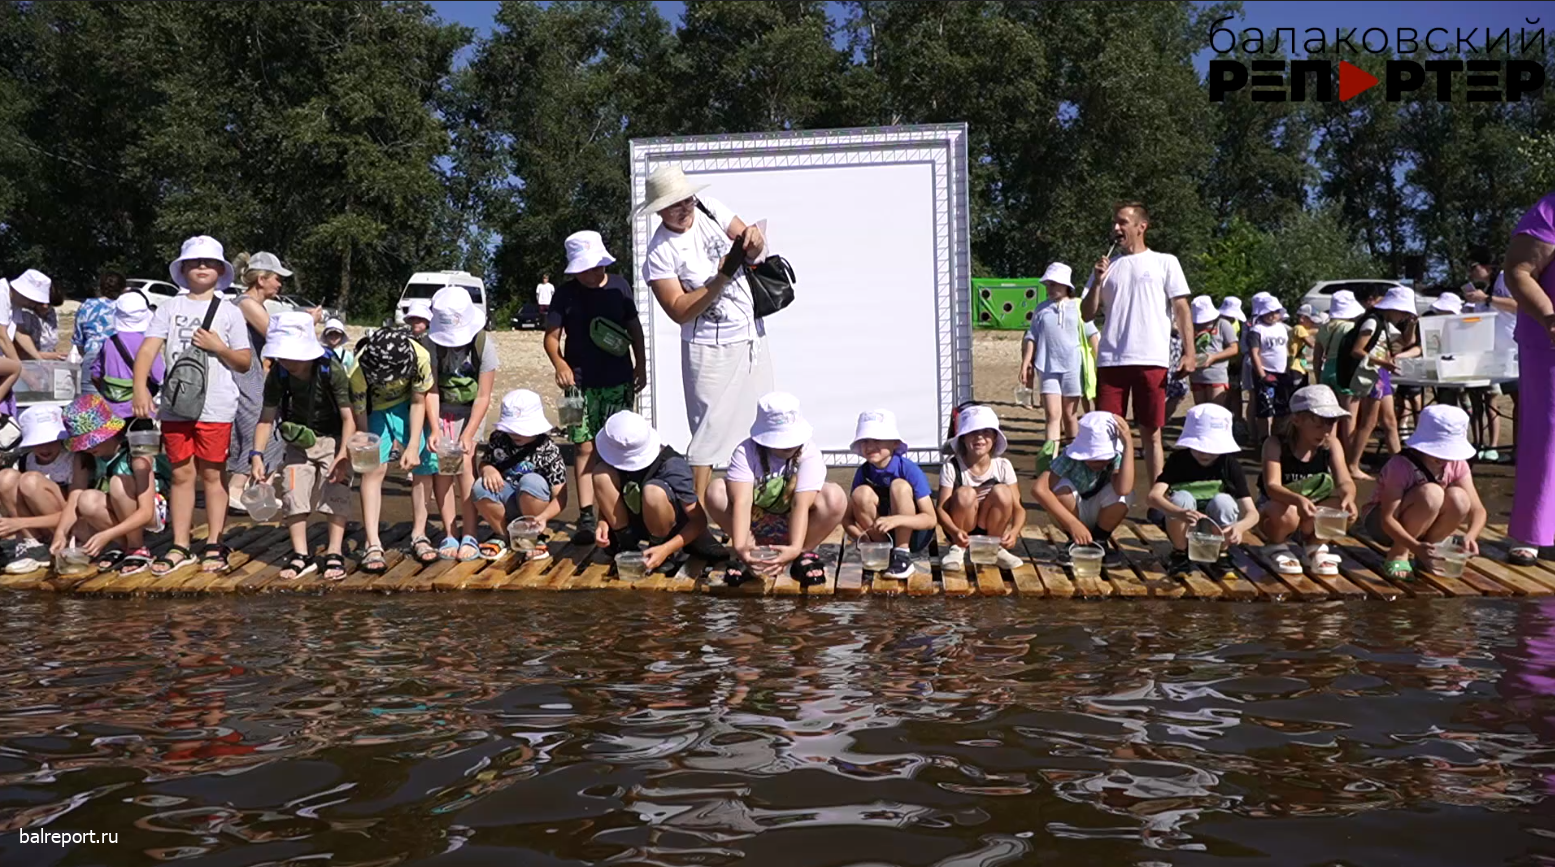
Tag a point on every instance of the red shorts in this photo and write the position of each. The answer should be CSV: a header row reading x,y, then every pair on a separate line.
x,y
206,440
1146,384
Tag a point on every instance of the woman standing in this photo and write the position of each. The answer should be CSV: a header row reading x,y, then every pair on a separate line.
x,y
261,278
1531,280
94,322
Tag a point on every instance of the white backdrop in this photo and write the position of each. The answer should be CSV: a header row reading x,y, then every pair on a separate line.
x,y
873,222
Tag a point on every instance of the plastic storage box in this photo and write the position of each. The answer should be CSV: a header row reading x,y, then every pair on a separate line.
x,y
43,381
1457,335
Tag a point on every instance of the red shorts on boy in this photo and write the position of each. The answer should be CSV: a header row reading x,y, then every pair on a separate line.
x,y
206,440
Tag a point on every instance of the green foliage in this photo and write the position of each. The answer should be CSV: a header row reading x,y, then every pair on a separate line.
x,y
1308,246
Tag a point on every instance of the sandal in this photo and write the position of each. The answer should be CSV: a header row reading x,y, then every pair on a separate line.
x,y
135,562
297,565
1523,555
373,562
734,576
808,570
1320,560
1399,570
1284,559
109,559
449,550
166,565
422,551
468,542
493,548
214,558
334,567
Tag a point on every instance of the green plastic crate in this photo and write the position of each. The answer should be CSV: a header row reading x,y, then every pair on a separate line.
x,y
1006,305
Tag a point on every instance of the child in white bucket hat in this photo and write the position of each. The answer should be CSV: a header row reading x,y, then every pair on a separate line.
x,y
977,489
37,323
1086,489
311,393
1367,363
1304,469
1425,494
334,340
1053,353
33,497
775,494
522,473
113,367
1202,479
465,365
891,499
1268,356
1214,341
646,493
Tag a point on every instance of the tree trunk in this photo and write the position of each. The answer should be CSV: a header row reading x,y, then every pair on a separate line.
x,y
343,300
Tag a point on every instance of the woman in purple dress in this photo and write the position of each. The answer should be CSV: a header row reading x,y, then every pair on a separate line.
x,y
1531,280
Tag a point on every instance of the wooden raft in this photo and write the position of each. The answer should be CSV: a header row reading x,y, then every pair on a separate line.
x,y
259,551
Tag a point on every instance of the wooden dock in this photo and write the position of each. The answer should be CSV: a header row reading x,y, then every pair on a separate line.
x,y
259,551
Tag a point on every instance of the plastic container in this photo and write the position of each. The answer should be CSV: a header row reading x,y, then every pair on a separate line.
x,y
144,443
630,566
983,550
1085,560
365,451
569,410
1023,396
525,533
1204,547
876,555
764,557
72,560
43,381
1417,368
450,458
1331,523
1451,557
1469,365
260,501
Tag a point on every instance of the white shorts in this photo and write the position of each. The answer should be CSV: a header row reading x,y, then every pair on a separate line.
x,y
1065,384
722,385
1090,508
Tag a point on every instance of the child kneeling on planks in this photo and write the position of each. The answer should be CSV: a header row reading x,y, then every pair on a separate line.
x,y
891,499
115,495
1202,480
521,473
977,489
32,497
1086,489
1304,469
645,492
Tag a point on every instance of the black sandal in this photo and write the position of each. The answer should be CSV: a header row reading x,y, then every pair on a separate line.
x,y
165,565
734,576
334,563
421,549
109,559
298,565
214,558
808,570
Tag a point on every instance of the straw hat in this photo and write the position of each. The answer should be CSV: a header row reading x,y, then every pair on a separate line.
x,y
201,247
1207,428
666,186
40,424
1059,273
455,318
628,442
779,424
290,337
585,250
1442,432
1097,439
33,285
1204,311
878,424
523,414
90,422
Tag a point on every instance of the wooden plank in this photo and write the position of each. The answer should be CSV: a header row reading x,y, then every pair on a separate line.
x,y
955,583
1517,580
685,581
1364,554
1049,559
238,540
1448,586
1149,556
921,581
1050,576
1494,544
275,545
535,574
1271,587
830,552
31,580
990,581
356,578
1306,588
568,559
462,574
1231,585
1363,577
596,569
850,573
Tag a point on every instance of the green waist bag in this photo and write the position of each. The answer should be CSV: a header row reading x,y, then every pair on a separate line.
x,y
1317,487
298,435
610,336
774,495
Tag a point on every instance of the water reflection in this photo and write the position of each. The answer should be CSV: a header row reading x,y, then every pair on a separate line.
x,y
657,729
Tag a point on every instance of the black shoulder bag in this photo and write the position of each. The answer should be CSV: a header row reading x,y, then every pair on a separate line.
x,y
771,282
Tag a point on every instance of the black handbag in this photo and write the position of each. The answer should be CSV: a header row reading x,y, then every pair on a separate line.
x,y
771,282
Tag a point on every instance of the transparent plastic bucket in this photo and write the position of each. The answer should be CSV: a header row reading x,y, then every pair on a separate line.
x,y
366,452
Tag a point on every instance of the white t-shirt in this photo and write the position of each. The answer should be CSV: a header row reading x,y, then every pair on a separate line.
x,y
175,322
1000,472
61,471
543,294
1273,346
1137,296
745,466
692,257
1506,323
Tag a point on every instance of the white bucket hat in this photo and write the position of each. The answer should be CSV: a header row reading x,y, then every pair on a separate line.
x,y
523,414
1059,273
1344,305
41,424
1204,311
586,250
455,318
33,285
628,442
1306,310
779,423
1098,438
267,262
1399,299
1207,428
1442,432
1448,302
131,313
334,325
201,247
979,418
1231,308
1264,304
664,187
290,337
420,308
1318,400
878,424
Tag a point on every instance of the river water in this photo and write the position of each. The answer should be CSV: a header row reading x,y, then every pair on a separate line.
x,y
624,728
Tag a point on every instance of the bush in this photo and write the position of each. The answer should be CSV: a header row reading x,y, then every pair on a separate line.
x,y
1308,247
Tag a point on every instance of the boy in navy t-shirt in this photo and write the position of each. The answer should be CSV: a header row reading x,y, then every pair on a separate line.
x,y
891,497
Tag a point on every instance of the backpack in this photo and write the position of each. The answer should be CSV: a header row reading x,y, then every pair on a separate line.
x,y
116,389
457,389
186,381
632,483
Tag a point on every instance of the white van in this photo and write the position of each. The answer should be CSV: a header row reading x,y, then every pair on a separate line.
x,y
424,284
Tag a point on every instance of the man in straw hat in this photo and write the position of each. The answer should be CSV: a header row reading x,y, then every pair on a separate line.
x,y
693,267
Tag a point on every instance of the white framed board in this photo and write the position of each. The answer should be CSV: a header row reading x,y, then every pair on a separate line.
x,y
875,224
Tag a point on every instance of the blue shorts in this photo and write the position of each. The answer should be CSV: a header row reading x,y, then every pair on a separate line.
x,y
392,426
532,484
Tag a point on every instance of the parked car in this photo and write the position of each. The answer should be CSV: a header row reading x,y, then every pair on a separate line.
x,y
155,291
424,284
528,317
1321,294
296,302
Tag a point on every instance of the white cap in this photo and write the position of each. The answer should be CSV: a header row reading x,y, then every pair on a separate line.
x,y
1264,304
1344,305
455,318
586,250
628,442
1204,311
779,424
41,424
1098,437
1442,431
1207,428
1399,299
33,285
980,417
1318,400
1448,302
201,247
290,337
334,325
523,414
1231,308
131,313
878,424
267,262
1059,273
420,308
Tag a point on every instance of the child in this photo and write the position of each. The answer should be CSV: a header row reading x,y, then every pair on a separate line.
x,y
334,340
522,473
1053,353
1366,362
1304,468
31,497
418,318
891,499
196,443
389,390
646,492
977,493
1202,479
1343,310
1231,314
603,356
1214,339
465,365
37,323
113,367
114,495
1424,494
1269,357
309,391
1303,335
775,494
1086,490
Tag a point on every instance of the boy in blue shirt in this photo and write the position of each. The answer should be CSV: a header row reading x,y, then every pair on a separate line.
x,y
891,499
1086,489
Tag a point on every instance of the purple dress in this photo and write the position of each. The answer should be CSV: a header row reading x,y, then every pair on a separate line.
x,y
1533,508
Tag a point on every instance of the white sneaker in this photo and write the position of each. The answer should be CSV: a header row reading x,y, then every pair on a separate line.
x,y
30,556
1007,560
954,559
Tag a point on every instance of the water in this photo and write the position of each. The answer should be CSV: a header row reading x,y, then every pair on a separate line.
x,y
1331,524
1085,561
984,550
1204,547
655,728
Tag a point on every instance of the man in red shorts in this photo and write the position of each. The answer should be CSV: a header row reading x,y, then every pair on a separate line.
x,y
1145,296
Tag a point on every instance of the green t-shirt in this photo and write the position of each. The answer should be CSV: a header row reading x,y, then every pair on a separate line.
x,y
314,402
